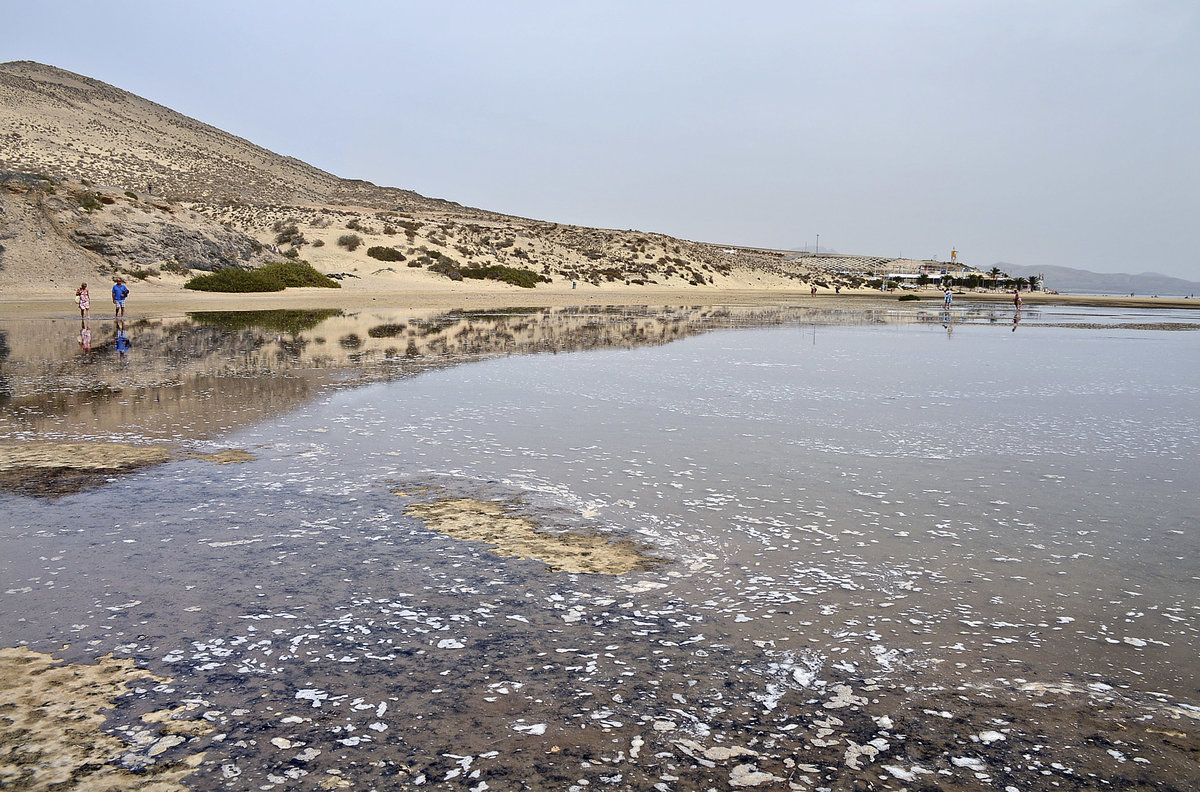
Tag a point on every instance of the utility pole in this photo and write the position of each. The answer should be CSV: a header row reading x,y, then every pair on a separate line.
x,y
817,250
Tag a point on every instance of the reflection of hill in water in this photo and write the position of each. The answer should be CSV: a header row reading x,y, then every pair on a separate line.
x,y
213,372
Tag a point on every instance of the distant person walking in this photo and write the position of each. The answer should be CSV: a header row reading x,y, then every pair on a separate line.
x,y
119,292
83,301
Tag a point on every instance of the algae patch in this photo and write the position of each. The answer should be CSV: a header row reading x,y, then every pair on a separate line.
x,y
63,468
52,735
517,536
229,456
54,469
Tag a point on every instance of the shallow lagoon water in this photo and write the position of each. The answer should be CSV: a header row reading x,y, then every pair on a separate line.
x,y
896,554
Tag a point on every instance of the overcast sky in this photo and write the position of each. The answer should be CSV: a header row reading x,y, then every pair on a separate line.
x,y
1035,133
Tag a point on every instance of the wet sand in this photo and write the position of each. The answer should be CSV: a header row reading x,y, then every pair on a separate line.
x,y
167,300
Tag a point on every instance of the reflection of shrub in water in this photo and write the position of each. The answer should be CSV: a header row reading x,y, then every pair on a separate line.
x,y
280,321
351,341
387,330
5,386
498,314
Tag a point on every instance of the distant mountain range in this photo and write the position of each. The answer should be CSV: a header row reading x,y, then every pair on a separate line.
x,y
1073,281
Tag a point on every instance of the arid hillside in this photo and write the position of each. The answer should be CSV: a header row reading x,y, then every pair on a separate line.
x,y
98,181
72,127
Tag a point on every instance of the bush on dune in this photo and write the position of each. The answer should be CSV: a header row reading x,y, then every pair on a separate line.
x,y
524,278
276,276
385,253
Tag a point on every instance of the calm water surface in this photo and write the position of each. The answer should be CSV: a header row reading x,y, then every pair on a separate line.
x,y
900,552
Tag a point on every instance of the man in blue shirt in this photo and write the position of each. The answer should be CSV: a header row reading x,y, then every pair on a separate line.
x,y
120,292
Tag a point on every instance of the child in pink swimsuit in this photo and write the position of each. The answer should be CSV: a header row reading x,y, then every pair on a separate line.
x,y
84,302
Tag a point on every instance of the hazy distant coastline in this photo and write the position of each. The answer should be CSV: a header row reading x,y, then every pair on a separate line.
x,y
1068,280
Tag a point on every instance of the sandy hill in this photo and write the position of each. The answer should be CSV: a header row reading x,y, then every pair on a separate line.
x,y
95,180
74,127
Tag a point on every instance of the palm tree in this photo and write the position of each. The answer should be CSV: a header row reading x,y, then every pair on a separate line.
x,y
1021,282
994,272
1033,282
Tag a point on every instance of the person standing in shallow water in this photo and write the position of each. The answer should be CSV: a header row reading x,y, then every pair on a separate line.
x,y
1017,298
949,297
83,301
119,292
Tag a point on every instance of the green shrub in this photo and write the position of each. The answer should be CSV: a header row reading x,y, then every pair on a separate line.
x,y
298,273
526,279
385,254
448,268
235,280
88,202
288,233
907,298
275,276
131,194
318,243
350,241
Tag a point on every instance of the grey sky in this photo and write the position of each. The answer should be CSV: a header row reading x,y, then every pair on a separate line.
x,y
1034,133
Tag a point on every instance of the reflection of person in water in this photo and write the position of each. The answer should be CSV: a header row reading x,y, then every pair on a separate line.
x,y
85,335
1016,318
948,321
122,341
